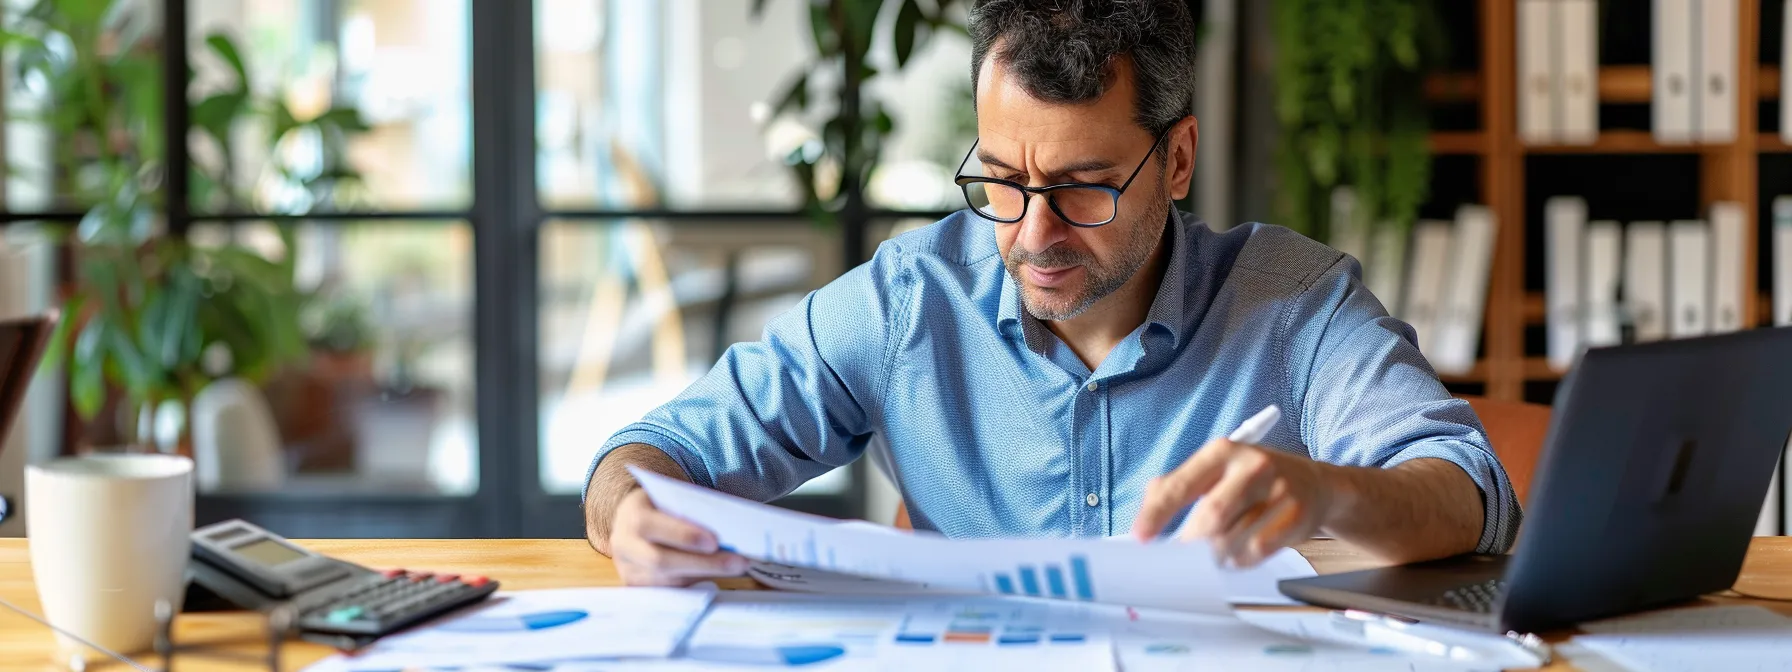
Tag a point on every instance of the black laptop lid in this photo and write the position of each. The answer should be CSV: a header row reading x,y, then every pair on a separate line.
x,y
1654,474
21,346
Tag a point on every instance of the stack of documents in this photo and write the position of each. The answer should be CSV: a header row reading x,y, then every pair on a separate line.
x,y
1705,638
537,631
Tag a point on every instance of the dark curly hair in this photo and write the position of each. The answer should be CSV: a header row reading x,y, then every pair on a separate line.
x,y
1063,51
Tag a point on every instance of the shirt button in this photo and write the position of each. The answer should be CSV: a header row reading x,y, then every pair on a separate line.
x,y
1093,499
1092,386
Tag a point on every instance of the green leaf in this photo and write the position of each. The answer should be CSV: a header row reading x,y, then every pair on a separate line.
x,y
225,48
217,113
758,9
821,30
908,21
795,97
348,119
58,351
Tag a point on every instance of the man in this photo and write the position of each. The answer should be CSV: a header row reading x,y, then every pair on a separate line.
x,y
1059,360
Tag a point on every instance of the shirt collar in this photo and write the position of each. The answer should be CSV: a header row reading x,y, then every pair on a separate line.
x,y
1169,310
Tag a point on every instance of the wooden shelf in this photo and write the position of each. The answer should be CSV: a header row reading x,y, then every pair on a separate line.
x,y
1538,369
1617,84
1772,143
1458,142
1620,142
1535,308
1474,375
1453,87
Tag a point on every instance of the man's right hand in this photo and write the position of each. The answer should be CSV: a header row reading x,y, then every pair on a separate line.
x,y
653,548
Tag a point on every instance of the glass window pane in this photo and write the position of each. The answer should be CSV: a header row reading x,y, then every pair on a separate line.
x,y
651,104
633,311
383,400
666,104
317,71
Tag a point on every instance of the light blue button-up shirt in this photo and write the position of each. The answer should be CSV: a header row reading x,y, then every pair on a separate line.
x,y
989,425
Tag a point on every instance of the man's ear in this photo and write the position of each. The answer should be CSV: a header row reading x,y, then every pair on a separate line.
x,y
1181,143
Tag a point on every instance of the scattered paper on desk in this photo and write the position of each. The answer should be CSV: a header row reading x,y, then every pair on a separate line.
x,y
1738,639
1257,585
541,625
880,633
1496,652
1179,576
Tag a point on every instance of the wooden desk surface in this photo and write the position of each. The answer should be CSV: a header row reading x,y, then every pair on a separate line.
x,y
563,563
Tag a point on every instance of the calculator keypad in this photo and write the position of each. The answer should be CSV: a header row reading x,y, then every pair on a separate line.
x,y
394,599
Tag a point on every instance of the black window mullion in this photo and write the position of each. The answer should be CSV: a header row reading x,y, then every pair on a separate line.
x,y
505,220
177,162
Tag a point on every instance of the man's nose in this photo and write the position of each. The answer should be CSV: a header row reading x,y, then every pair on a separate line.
x,y
1041,228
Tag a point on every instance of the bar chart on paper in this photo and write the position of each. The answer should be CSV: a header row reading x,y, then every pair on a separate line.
x,y
1065,581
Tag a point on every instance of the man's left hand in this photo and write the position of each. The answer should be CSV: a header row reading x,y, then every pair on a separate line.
x,y
1253,500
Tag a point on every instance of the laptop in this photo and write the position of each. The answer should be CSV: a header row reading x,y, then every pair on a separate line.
x,y
22,343
1653,474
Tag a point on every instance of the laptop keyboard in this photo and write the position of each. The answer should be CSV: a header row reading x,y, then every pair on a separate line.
x,y
1480,598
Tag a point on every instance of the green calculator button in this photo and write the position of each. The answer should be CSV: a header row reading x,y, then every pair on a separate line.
x,y
345,614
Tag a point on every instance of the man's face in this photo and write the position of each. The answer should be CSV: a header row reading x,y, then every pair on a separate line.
x,y
1061,269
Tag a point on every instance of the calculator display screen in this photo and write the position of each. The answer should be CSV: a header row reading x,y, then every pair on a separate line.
x,y
268,552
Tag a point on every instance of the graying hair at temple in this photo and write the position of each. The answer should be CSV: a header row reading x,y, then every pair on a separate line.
x,y
1063,51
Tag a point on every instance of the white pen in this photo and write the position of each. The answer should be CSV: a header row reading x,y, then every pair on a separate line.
x,y
1377,630
1252,430
1257,427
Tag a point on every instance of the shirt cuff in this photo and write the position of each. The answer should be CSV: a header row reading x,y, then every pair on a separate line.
x,y
1500,509
658,437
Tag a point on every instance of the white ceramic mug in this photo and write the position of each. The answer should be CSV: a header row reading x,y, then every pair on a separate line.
x,y
109,538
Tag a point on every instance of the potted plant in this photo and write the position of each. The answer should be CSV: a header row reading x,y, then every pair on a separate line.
x,y
152,318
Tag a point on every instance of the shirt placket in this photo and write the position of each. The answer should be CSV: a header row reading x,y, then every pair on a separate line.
x,y
1089,434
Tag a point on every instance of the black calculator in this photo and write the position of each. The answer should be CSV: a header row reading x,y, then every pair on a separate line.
x,y
348,604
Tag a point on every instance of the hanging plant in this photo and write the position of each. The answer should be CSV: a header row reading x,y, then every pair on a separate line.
x,y
1349,98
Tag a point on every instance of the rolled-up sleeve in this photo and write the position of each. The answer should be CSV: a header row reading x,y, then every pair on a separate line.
x,y
1373,400
799,402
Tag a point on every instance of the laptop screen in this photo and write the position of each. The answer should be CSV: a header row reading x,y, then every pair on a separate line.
x,y
22,344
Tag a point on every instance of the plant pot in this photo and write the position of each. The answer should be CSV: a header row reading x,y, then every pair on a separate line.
x,y
393,433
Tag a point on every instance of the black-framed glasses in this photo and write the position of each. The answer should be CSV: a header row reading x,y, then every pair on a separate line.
x,y
1077,203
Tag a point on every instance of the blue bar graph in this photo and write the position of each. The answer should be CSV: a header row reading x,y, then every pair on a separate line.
x,y
1029,580
1054,579
1004,585
1079,572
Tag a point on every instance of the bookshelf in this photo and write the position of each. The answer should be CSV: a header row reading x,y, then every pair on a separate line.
x,y
1726,172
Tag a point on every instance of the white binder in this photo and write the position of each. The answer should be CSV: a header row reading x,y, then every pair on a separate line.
x,y
1386,274
1465,293
1689,279
1728,228
1577,97
1349,234
1566,219
1716,68
1782,261
1537,69
1672,68
1786,73
1646,280
1600,292
1425,288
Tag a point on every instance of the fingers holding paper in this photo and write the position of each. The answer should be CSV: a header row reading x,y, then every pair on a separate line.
x,y
1252,501
653,548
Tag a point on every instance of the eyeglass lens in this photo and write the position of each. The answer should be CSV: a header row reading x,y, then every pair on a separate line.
x,y
1076,204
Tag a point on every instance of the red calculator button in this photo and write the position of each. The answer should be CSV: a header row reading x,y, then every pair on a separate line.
x,y
420,577
446,578
392,573
476,581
